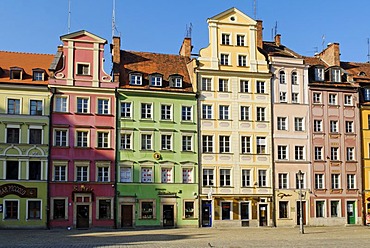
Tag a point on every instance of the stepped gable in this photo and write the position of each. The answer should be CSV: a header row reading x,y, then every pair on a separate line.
x,y
27,62
148,63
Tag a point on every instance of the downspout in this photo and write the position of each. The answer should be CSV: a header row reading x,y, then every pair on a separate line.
x,y
199,148
115,214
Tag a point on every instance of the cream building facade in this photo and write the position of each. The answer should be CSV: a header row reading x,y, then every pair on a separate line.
x,y
235,126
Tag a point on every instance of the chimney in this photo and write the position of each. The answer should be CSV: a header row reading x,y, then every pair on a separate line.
x,y
186,48
60,49
331,54
278,39
116,57
259,34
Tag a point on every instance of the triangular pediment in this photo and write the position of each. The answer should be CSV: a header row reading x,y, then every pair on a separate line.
x,y
233,15
81,33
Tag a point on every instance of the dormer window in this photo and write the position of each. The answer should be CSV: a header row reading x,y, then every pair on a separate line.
x,y
83,69
319,74
135,79
16,73
176,81
335,75
38,75
156,80
362,73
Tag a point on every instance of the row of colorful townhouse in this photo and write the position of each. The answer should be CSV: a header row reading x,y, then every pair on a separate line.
x,y
245,133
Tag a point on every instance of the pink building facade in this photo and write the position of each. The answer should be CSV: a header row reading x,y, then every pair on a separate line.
x,y
82,164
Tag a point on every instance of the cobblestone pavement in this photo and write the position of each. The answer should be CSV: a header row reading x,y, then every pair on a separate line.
x,y
356,236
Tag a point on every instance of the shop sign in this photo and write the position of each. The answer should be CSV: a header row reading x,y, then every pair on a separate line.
x,y
19,190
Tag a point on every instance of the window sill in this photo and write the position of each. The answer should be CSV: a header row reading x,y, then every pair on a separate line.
x,y
147,120
61,147
104,148
78,113
107,115
167,151
188,152
80,147
166,121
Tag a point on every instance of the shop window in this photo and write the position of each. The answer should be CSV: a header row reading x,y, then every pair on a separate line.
x,y
147,210
189,209
34,210
225,210
59,210
105,209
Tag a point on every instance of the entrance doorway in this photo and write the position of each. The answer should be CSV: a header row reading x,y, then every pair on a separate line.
x,y
299,212
126,216
168,215
263,214
206,214
351,212
82,216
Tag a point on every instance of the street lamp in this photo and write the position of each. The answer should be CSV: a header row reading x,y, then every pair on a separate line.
x,y
300,179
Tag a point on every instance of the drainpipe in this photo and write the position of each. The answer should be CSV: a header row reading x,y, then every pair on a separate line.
x,y
115,214
199,148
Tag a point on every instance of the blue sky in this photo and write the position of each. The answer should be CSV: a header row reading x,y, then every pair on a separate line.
x,y
160,25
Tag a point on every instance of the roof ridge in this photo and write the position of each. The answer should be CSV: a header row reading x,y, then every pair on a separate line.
x,y
158,53
28,53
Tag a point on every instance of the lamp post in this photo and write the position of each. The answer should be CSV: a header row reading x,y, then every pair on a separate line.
x,y
300,179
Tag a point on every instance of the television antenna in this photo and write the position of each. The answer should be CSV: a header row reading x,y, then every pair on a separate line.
x,y
69,16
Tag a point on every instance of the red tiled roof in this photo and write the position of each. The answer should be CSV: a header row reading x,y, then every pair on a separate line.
x,y
26,61
149,63
314,61
282,51
360,72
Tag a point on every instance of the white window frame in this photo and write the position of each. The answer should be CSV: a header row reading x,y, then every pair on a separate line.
x,y
106,139
335,181
35,127
4,208
166,114
188,146
106,166
317,125
84,65
225,59
146,111
351,181
128,175
128,110
319,181
87,138
60,164
64,130
224,112
282,152
63,106
187,175
223,85
225,174
105,106
260,87
156,80
85,108
82,165
166,142
136,79
318,155
283,181
244,86
167,174
333,99
146,146
348,100
242,60
207,111
151,169
225,39
317,98
126,145
186,116
206,84
282,123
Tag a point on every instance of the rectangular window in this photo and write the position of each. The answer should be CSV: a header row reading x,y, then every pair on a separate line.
x,y
103,174
189,209
348,100
146,175
320,209
316,97
283,180
283,209
166,142
246,144
261,114
349,126
298,124
125,110
135,79
282,97
333,126
318,153
207,111
35,107
166,175
105,209
35,136
246,178
187,175
12,135
225,39
351,181
262,178
60,138
282,152
38,76
335,181
147,210
244,210
103,139
242,60
146,142
61,104
126,141
319,74
34,210
366,93
207,143
281,123
260,85
82,105
59,209
223,112
294,78
60,172
224,60
11,210
186,113
146,110
244,113
244,86
125,174
223,85
350,154
240,40
334,153
34,170
82,139
82,173
295,98
282,77
224,144
156,80
319,181
207,84
225,178
208,177
166,112
83,69
14,106
12,170
335,75
332,99
187,143
103,106
317,125
261,145
225,210
299,152
334,208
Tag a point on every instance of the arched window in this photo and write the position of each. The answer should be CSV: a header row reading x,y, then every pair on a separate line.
x,y
282,77
294,78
